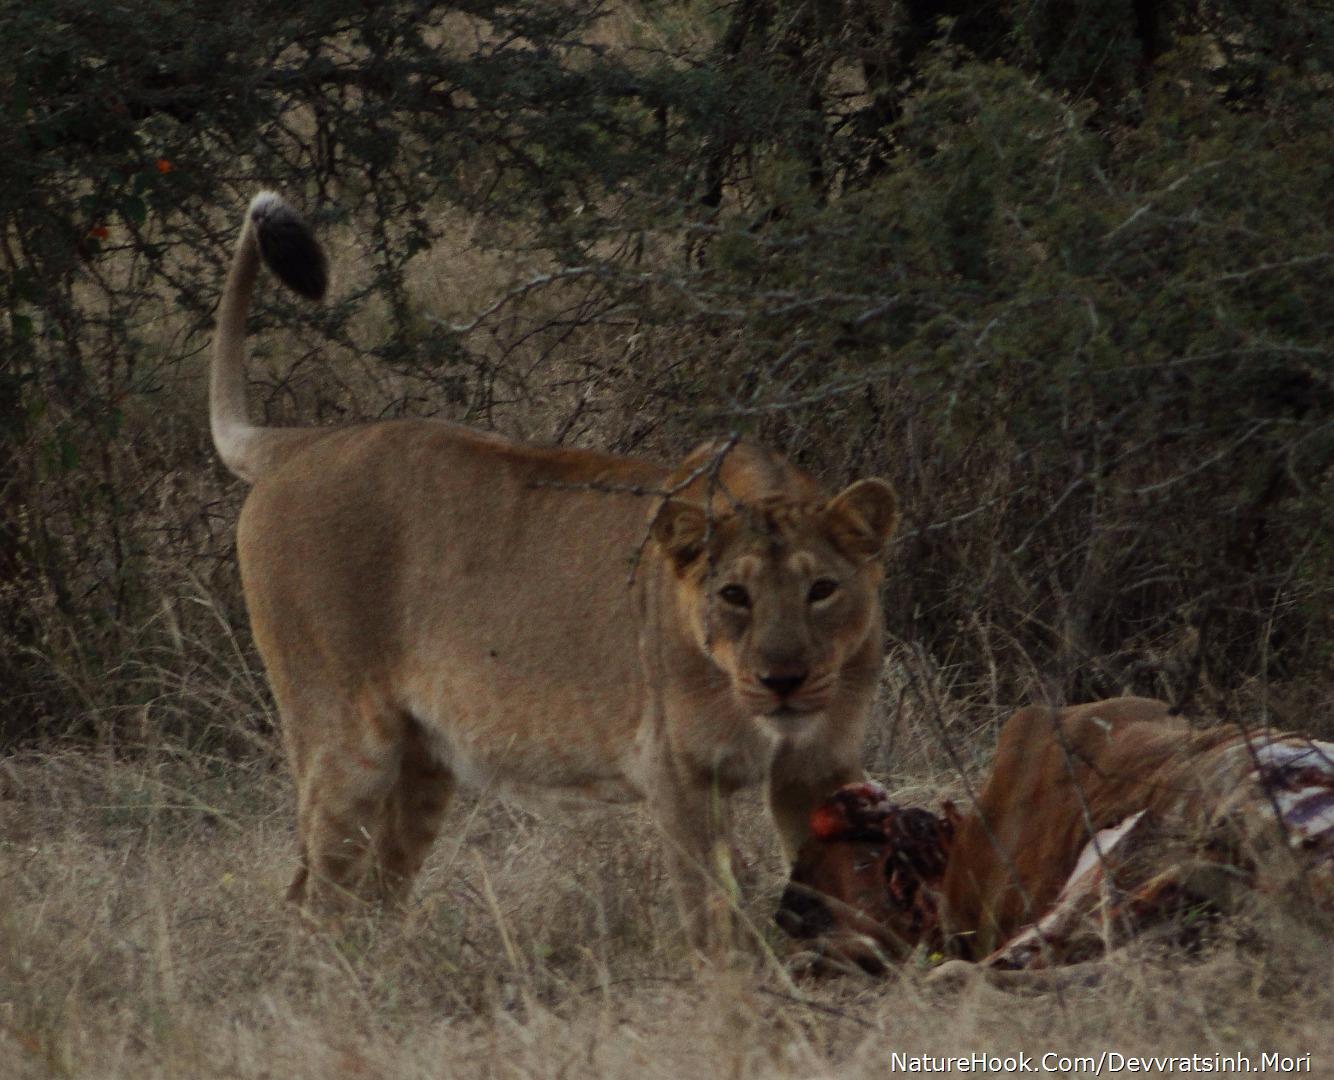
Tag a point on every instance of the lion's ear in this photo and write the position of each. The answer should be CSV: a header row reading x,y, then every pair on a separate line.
x,y
862,517
679,528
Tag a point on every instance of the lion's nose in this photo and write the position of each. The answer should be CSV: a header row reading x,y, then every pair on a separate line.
x,y
784,683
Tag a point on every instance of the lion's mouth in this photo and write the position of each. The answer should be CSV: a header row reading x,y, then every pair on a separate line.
x,y
789,721
790,710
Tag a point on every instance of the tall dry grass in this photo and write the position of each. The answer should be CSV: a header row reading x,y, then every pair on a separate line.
x,y
142,935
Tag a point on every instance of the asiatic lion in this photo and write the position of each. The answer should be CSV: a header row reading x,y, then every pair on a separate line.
x,y
439,606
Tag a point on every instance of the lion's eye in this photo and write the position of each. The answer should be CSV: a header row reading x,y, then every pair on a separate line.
x,y
822,589
734,595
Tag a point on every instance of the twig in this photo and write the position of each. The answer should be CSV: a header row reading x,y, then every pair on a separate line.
x,y
1206,463
818,1006
1166,191
709,467
536,282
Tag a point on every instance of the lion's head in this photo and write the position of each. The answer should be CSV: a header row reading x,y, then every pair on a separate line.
x,y
780,592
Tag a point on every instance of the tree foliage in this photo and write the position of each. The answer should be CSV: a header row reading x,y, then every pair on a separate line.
x,y
1056,269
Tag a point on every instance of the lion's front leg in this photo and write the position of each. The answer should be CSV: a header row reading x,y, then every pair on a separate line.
x,y
797,782
697,841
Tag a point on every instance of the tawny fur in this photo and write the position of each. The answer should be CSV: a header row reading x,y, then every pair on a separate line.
x,y
439,606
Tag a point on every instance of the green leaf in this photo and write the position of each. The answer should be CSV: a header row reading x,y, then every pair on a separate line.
x,y
133,209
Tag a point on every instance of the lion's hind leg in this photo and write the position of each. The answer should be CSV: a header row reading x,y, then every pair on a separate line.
x,y
414,811
347,777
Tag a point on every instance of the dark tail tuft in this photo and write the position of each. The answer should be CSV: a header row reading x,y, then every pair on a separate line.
x,y
288,246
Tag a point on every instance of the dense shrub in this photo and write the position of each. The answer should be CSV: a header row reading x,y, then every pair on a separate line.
x,y
1055,269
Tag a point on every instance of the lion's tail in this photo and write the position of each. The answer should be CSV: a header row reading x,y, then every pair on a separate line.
x,y
275,234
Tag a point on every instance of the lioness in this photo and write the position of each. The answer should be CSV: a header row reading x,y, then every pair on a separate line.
x,y
439,606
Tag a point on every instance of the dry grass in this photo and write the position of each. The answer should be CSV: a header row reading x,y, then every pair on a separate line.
x,y
141,930
141,935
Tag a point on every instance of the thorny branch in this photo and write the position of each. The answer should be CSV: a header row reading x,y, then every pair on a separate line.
x,y
709,467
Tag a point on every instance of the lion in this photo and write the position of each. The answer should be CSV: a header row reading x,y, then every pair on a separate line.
x,y
439,607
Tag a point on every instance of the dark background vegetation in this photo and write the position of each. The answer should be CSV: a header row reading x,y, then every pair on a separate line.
x,y
1060,271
